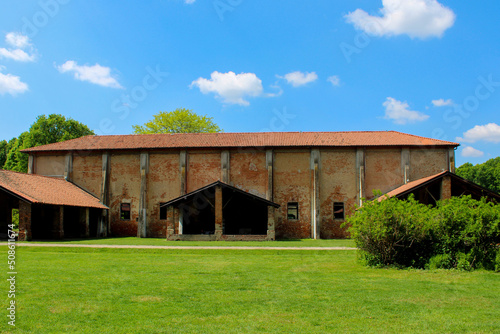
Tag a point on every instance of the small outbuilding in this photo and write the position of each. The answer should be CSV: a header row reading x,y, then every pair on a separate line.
x,y
444,185
49,207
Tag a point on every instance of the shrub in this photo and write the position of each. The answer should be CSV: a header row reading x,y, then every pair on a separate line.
x,y
458,233
393,232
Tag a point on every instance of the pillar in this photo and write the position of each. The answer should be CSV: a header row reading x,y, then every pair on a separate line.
x,y
170,222
269,167
24,221
142,226
85,222
68,167
183,171
58,222
451,160
360,175
405,164
218,213
315,201
103,223
271,235
446,187
31,164
225,166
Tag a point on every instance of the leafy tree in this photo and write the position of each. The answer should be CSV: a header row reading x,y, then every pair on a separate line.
x,y
46,130
486,174
4,150
178,121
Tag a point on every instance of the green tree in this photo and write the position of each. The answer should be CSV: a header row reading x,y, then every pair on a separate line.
x,y
4,150
486,174
178,121
46,130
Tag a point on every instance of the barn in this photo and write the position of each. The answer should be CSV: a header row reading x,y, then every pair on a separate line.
x,y
230,186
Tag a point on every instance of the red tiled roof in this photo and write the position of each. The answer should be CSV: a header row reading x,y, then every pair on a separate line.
x,y
47,190
410,186
229,140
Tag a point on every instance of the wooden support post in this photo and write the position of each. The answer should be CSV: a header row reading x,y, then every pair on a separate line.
x,y
225,166
87,222
269,167
360,175
218,213
103,223
142,226
405,164
183,171
68,167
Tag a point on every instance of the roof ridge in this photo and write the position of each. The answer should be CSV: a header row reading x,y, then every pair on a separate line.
x,y
37,175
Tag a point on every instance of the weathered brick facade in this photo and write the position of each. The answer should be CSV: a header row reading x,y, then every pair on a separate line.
x,y
315,177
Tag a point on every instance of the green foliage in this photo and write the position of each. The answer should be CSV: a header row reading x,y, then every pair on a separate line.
x,y
46,130
178,121
5,147
15,218
486,174
458,233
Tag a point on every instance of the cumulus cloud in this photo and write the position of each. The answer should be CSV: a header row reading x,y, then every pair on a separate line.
x,y
230,87
442,102
400,113
415,18
471,152
11,84
96,74
334,80
489,133
19,42
298,78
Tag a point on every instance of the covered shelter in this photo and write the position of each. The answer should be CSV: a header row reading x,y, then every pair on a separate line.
x,y
49,207
440,186
219,211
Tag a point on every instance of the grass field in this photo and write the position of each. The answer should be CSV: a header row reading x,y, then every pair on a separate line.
x,y
164,242
85,290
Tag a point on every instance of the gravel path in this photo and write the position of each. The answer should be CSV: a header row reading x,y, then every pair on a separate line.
x,y
176,247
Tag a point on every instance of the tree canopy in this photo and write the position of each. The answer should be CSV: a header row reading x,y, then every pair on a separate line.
x,y
46,130
178,121
486,174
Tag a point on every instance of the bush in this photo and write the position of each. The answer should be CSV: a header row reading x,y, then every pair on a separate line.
x,y
458,233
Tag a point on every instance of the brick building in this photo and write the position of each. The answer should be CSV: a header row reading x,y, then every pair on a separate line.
x,y
237,186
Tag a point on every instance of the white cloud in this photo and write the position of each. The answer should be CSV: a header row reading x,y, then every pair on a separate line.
x,y
17,40
415,18
334,79
398,111
95,74
232,88
16,54
11,84
442,103
20,42
489,133
471,152
298,78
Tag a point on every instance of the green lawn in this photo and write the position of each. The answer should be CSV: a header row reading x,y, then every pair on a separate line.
x,y
84,290
164,242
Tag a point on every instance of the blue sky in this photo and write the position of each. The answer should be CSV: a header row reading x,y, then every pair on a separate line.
x,y
425,67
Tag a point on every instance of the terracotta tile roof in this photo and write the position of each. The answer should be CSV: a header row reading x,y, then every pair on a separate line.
x,y
47,190
229,140
411,185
